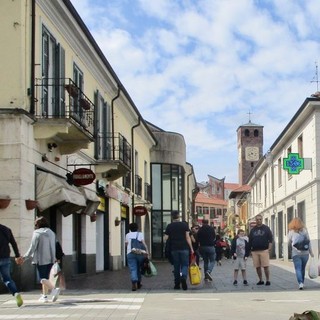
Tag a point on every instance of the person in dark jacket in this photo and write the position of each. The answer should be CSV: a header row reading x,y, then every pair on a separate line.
x,y
206,239
260,242
240,252
6,238
178,234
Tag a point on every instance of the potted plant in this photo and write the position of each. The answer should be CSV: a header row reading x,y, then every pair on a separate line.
x,y
31,204
72,90
4,202
84,104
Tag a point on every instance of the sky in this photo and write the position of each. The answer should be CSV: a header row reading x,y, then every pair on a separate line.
x,y
203,67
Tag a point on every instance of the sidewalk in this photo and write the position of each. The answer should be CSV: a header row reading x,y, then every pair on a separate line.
x,y
282,277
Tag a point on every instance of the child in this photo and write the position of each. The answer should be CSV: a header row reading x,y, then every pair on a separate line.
x,y
240,252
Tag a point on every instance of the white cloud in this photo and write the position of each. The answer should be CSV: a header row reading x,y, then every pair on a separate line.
x,y
204,64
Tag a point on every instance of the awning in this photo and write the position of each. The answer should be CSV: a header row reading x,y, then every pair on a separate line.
x,y
92,201
55,191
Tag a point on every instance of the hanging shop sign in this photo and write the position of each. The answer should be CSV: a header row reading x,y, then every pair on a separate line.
x,y
83,176
293,164
140,211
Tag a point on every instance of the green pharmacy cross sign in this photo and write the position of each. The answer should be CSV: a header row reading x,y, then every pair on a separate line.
x,y
294,164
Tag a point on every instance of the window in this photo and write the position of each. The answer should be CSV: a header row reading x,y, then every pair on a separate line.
x,y
78,80
53,73
300,146
289,150
256,133
279,173
103,144
247,132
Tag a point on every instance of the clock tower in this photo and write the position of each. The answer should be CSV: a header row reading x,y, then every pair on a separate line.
x,y
250,149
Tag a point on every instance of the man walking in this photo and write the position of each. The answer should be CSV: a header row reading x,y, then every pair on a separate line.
x,y
260,243
6,238
180,246
206,238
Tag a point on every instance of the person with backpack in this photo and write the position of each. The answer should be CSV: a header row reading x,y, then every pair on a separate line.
x,y
299,240
137,251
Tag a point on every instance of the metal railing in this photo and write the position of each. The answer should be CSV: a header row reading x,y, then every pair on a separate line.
x,y
138,185
147,192
61,98
113,147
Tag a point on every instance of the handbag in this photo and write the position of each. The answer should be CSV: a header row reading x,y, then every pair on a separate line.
x,y
54,273
304,244
194,273
313,269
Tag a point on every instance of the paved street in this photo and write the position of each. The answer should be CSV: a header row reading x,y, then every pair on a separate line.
x,y
107,295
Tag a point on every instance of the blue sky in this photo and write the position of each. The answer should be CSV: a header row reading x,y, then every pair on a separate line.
x,y
197,67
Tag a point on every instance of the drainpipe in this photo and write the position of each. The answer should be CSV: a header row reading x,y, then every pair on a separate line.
x,y
32,80
133,165
112,121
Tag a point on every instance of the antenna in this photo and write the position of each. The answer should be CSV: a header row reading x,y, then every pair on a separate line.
x,y
249,113
315,77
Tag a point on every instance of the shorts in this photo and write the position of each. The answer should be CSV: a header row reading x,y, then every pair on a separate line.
x,y
260,258
44,270
239,264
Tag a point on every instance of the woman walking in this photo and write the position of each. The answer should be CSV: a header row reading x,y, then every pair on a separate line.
x,y
299,240
135,256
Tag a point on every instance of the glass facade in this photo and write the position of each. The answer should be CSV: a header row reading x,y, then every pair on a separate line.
x,y
167,195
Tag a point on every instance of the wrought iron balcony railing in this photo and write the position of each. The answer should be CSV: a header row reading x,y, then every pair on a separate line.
x,y
147,192
113,147
60,98
127,180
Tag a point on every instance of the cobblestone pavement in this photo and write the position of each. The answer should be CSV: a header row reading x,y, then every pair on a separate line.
x,y
282,278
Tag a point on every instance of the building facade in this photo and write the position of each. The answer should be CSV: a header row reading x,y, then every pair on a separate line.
x,y
280,195
71,139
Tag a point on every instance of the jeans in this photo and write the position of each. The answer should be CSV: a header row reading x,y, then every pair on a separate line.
x,y
180,264
134,263
5,264
208,254
300,262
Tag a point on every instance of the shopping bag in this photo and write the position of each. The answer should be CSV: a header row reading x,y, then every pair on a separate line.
x,y
54,272
148,268
313,269
194,274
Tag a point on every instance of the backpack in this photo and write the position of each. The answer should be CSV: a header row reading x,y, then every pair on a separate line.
x,y
303,243
137,246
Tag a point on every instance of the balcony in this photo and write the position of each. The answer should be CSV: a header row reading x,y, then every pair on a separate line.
x,y
138,185
147,192
64,114
113,156
127,181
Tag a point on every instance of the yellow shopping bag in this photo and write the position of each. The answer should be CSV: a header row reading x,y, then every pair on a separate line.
x,y
194,274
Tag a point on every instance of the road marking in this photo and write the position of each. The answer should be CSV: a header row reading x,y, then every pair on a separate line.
x,y
290,300
196,299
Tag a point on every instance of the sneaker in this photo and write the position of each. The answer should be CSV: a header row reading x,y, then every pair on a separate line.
x,y
134,286
208,276
18,299
235,282
300,286
43,298
139,285
260,283
184,284
245,282
55,294
268,283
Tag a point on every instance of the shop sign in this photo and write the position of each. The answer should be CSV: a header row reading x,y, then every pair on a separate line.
x,y
83,176
140,211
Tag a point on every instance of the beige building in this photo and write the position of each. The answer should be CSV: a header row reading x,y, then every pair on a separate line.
x,y
72,139
280,195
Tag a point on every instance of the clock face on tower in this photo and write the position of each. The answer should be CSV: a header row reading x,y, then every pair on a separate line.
x,y
252,153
